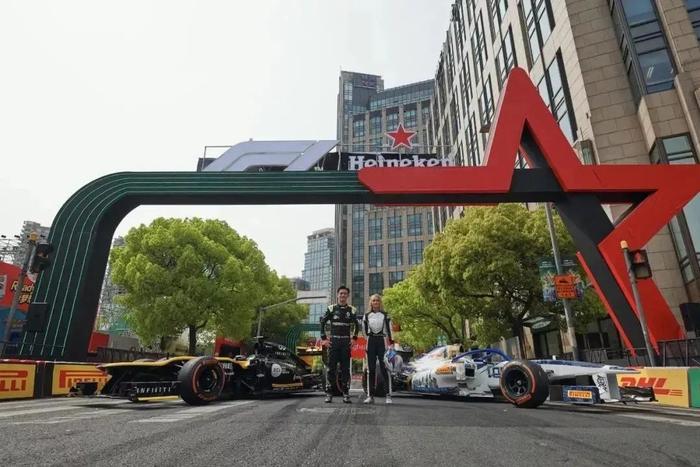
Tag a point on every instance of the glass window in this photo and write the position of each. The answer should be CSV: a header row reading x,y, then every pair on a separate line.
x,y
415,224
395,254
410,118
395,227
415,252
479,52
694,15
375,228
558,99
358,128
473,143
375,124
429,217
539,22
375,256
486,103
395,276
505,57
392,121
376,283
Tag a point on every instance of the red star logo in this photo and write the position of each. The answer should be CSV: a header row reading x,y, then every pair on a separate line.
x,y
665,189
401,137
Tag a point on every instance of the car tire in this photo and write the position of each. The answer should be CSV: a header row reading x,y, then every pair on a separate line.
x,y
201,380
524,383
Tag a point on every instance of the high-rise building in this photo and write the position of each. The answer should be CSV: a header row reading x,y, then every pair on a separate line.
x,y
377,246
622,78
318,269
110,314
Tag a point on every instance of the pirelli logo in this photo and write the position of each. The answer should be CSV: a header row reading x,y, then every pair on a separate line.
x,y
579,394
16,381
66,376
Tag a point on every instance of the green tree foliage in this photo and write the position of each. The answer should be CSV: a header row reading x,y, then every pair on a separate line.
x,y
277,321
192,274
484,268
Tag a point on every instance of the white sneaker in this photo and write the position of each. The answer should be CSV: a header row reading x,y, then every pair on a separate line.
x,y
388,400
369,400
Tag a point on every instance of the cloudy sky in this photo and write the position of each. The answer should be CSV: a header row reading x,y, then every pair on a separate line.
x,y
93,87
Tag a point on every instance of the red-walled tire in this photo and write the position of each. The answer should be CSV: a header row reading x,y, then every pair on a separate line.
x,y
201,380
524,383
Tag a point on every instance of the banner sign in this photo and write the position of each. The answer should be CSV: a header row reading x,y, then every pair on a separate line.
x,y
16,380
9,275
65,376
570,285
670,384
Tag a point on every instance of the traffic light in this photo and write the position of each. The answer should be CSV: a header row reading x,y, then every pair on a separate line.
x,y
41,259
640,264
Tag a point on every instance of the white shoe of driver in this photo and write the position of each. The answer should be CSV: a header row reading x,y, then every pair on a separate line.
x,y
369,400
388,400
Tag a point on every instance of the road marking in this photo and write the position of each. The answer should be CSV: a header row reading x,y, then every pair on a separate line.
x,y
339,411
317,409
35,411
74,417
191,413
653,418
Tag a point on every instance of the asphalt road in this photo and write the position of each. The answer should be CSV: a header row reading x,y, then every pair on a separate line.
x,y
302,430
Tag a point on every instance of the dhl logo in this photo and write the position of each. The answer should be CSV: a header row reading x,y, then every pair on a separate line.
x,y
13,380
68,378
651,382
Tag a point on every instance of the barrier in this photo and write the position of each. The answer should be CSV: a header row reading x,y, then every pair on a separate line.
x,y
694,383
17,379
66,375
670,384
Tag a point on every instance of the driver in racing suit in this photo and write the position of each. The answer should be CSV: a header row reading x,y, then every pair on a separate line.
x,y
342,317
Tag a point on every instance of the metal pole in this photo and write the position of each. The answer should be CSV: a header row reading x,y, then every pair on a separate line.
x,y
570,331
31,243
638,303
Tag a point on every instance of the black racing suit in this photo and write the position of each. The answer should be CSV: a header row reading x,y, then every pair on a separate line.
x,y
342,318
377,328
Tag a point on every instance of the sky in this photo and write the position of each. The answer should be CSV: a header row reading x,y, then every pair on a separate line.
x,y
92,87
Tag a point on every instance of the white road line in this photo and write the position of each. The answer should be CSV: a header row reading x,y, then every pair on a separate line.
x,y
191,413
70,418
35,411
653,418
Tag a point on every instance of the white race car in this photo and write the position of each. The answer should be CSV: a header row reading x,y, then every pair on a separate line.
x,y
525,383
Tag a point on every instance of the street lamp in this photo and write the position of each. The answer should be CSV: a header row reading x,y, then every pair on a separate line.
x,y
262,309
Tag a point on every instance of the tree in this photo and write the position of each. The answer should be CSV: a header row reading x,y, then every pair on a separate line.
x,y
277,321
190,274
484,267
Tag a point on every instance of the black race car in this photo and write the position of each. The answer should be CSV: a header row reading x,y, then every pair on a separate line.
x,y
200,380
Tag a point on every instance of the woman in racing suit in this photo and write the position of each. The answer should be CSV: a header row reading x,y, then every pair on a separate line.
x,y
377,328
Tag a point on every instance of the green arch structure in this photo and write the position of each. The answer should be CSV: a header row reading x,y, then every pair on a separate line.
x,y
82,231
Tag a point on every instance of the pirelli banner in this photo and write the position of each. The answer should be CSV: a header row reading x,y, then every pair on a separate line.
x,y
66,375
17,379
670,384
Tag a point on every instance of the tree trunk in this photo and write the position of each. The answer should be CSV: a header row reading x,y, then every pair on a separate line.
x,y
193,339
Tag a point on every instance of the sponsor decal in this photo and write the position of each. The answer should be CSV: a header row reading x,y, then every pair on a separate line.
x,y
16,381
275,370
579,394
65,376
670,385
445,370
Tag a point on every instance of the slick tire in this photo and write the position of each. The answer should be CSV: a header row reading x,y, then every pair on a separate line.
x,y
524,383
201,380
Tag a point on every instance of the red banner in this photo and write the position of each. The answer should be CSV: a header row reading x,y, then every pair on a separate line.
x,y
9,274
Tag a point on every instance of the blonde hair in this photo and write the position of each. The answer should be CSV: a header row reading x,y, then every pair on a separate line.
x,y
381,302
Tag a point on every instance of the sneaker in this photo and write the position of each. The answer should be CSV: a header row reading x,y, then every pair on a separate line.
x,y
329,399
388,400
346,399
369,400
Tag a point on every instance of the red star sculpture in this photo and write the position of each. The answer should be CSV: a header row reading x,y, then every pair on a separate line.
x,y
664,189
401,137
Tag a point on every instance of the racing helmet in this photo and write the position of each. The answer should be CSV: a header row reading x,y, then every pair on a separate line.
x,y
393,361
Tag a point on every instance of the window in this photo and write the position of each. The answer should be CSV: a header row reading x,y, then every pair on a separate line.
x,y
358,292
429,216
479,52
375,256
395,276
376,283
685,227
539,22
375,124
375,228
498,11
415,224
474,158
471,10
486,103
644,51
395,254
415,252
409,118
694,14
505,57
392,121
358,127
394,224
558,99
375,143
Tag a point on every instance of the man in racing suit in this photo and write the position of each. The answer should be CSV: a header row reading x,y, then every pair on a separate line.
x,y
342,317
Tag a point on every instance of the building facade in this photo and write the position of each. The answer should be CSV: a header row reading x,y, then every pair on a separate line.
x,y
377,246
318,269
622,78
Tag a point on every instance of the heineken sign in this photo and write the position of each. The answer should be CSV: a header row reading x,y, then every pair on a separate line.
x,y
263,156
